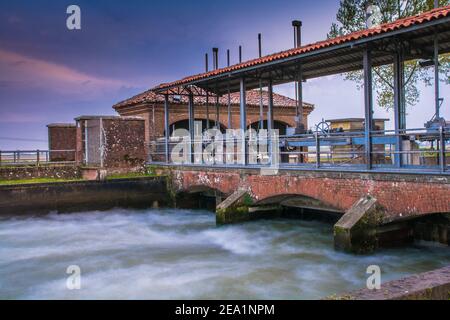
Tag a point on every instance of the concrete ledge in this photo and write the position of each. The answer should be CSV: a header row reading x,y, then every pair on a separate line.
x,y
432,285
356,230
82,195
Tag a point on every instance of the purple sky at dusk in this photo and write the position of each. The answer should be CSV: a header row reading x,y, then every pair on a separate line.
x,y
51,74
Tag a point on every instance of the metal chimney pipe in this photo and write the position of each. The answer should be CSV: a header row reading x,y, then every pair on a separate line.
x,y
259,45
436,4
297,33
240,54
206,63
228,57
216,58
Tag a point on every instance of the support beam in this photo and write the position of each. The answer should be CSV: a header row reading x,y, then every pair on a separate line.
x,y
270,107
261,106
217,113
436,76
299,110
166,127
243,119
270,125
230,124
191,125
368,106
399,105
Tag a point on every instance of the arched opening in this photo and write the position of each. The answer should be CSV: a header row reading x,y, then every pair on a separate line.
x,y
281,126
199,197
302,207
184,124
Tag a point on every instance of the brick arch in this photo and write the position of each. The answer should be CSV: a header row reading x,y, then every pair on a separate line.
x,y
277,124
298,200
184,118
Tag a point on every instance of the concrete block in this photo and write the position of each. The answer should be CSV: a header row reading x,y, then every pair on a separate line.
x,y
356,231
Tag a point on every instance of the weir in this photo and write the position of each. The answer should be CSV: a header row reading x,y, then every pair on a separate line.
x,y
375,180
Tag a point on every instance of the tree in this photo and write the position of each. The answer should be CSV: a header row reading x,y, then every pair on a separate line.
x,y
351,17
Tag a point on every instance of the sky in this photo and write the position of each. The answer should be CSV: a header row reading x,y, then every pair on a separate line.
x,y
49,73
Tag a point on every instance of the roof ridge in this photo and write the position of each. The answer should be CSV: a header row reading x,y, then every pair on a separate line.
x,y
389,26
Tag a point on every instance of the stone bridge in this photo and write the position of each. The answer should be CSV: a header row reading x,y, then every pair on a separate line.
x,y
390,199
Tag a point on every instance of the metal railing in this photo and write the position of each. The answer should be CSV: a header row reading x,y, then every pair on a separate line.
x,y
36,157
419,150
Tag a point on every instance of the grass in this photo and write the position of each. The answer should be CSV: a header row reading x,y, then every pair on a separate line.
x,y
130,175
35,180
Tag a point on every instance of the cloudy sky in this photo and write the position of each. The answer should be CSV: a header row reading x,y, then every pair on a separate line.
x,y
51,74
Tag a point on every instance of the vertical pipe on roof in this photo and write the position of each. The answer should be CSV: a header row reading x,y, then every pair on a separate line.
x,y
240,54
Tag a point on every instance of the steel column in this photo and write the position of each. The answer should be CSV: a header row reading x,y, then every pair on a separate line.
x,y
166,127
243,118
442,160
368,106
270,106
299,109
399,105
217,112
270,131
191,125
230,125
436,76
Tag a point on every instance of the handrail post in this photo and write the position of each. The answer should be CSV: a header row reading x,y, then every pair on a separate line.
x,y
37,157
317,149
442,148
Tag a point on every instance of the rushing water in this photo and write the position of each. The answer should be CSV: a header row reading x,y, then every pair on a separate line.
x,y
169,253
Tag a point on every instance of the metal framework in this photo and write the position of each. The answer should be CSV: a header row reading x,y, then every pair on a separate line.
x,y
424,40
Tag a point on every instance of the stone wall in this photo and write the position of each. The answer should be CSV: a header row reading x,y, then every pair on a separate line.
x,y
432,285
42,171
83,195
125,143
123,138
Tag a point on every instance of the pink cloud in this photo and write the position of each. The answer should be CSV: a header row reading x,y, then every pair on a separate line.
x,y
39,73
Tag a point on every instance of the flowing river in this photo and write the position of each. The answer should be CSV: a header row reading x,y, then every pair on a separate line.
x,y
181,254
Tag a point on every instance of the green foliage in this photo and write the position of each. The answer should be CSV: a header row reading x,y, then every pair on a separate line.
x,y
351,17
35,180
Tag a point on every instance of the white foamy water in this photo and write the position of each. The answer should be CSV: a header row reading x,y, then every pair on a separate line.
x,y
181,254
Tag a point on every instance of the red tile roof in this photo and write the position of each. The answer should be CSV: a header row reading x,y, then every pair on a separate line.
x,y
252,98
384,28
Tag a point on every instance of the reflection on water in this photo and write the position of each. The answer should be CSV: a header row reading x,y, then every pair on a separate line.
x,y
171,253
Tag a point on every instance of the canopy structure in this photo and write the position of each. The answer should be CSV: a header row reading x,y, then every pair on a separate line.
x,y
414,36
422,36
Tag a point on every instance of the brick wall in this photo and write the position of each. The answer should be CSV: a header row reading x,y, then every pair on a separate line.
x,y
61,137
45,171
401,195
180,112
125,143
